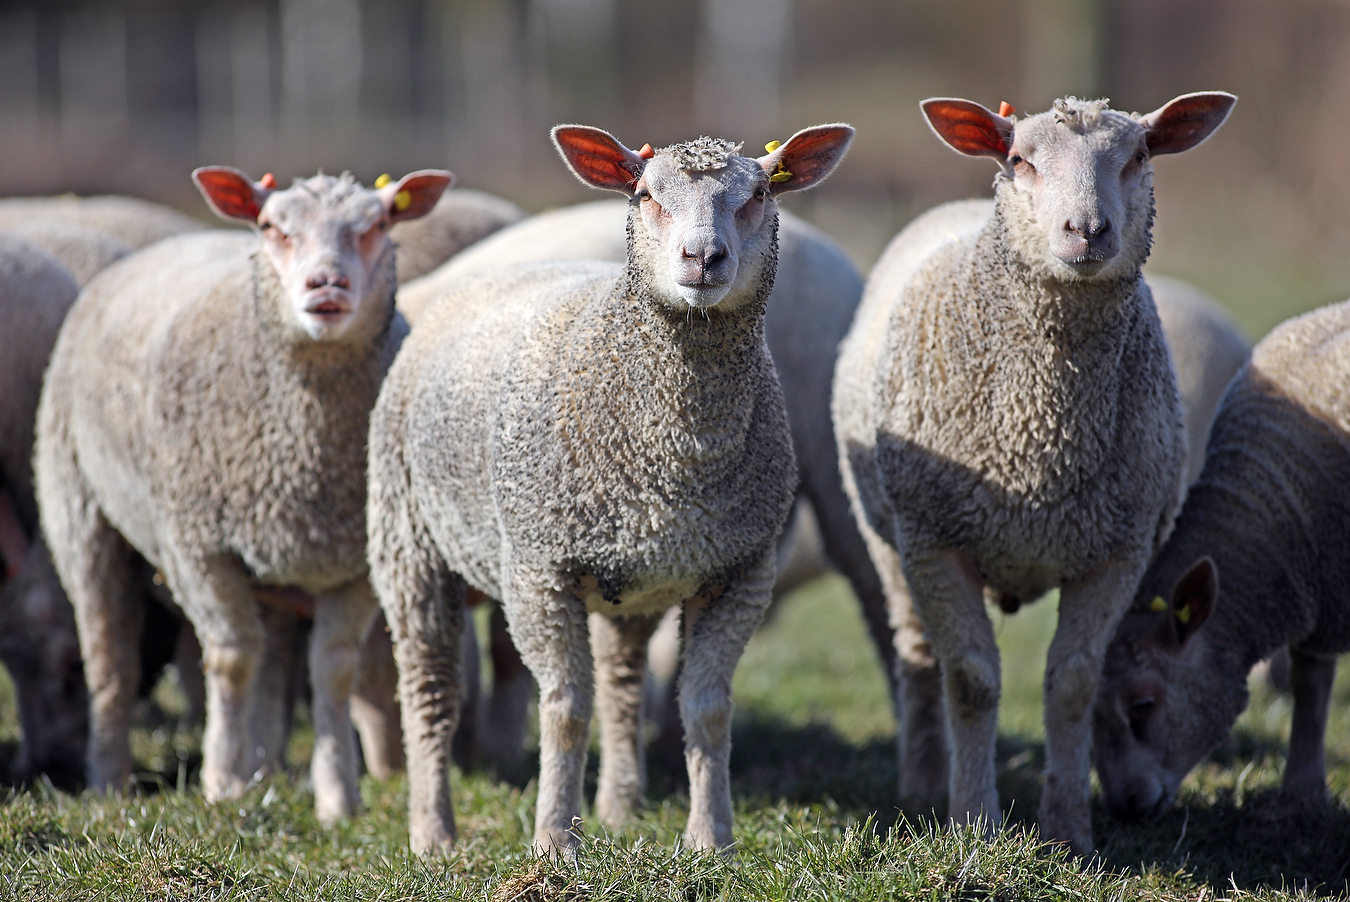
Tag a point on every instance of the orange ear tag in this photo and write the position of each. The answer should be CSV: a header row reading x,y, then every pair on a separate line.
x,y
268,181
646,152
1005,109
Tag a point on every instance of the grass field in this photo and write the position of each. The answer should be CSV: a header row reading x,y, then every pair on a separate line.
x,y
813,773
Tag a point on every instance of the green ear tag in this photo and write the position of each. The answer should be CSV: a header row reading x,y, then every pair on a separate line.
x,y
1184,613
1158,604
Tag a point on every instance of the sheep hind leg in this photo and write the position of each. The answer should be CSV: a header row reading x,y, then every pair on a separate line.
x,y
619,646
374,702
916,680
716,631
1310,679
340,621
1089,610
501,728
553,637
948,594
270,718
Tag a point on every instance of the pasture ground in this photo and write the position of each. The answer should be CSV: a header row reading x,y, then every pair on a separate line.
x,y
813,775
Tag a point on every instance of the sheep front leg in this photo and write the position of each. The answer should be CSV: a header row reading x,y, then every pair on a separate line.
x,y
270,718
1310,678
551,632
1089,610
948,595
374,703
715,633
216,597
340,620
619,646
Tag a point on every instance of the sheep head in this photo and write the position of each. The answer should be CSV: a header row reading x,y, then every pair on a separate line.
x,y
326,237
1076,182
1162,703
705,216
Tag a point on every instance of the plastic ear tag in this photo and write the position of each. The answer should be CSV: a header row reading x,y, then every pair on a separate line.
x,y
268,181
773,145
1006,109
1157,604
383,180
1184,613
646,152
403,200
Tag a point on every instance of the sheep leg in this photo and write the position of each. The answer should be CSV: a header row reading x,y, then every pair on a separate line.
x,y
1089,610
1310,678
619,646
716,629
99,579
340,620
464,745
270,717
217,599
551,632
374,702
501,728
948,595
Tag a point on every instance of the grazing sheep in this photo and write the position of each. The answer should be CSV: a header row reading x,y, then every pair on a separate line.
x,y
459,219
1257,561
207,405
1007,418
581,438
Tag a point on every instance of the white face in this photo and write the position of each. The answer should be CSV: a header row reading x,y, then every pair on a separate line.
x,y
707,223
1088,191
327,240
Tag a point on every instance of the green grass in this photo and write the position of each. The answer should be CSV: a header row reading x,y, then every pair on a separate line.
x,y
814,781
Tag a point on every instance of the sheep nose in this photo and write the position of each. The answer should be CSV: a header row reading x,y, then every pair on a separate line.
x,y
707,255
320,279
1088,228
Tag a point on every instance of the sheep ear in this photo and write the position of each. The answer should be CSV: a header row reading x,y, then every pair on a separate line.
x,y
598,159
414,195
969,128
807,158
1193,598
230,193
1186,121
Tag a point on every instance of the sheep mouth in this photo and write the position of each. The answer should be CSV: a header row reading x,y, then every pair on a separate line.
x,y
327,308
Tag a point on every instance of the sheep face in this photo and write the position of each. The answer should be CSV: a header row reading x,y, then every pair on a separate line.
x,y
1161,705
704,225
327,239
1076,182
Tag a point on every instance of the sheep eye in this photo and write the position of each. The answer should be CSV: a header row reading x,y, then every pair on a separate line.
x,y
644,194
761,193
1016,159
1140,156
1140,707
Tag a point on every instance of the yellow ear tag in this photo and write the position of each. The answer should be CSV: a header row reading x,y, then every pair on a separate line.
x,y
1184,613
402,201
1157,604
773,145
383,180
781,176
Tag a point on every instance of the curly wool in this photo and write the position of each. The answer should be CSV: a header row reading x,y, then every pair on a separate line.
x,y
703,154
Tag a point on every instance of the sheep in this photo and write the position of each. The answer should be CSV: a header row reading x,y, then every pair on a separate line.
x,y
459,219
1257,561
130,220
579,438
1007,417
84,251
206,406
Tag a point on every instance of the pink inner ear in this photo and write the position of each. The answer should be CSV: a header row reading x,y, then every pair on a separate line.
x,y
967,127
598,159
232,196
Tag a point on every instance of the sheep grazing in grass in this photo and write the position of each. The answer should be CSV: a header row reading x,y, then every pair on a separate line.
x,y
1257,561
206,407
1007,418
459,219
579,438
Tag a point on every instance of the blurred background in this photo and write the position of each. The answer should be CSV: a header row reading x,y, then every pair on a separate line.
x,y
127,97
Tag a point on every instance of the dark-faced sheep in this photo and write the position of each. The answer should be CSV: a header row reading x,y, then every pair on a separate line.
x,y
206,407
1007,418
591,441
1257,561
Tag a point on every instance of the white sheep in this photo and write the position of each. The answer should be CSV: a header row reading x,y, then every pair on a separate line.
x,y
591,438
1257,561
206,406
459,219
1007,417
131,221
